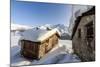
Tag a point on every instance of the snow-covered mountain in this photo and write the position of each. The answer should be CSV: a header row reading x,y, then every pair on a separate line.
x,y
18,26
63,29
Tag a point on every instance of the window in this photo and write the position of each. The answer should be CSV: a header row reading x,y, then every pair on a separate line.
x,y
79,33
89,36
89,27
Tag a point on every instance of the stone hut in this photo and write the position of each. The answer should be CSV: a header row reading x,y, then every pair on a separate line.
x,y
83,35
35,43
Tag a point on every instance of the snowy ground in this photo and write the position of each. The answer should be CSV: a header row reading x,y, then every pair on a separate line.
x,y
62,53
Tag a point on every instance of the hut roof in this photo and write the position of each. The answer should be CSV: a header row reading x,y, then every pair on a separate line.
x,y
38,35
78,19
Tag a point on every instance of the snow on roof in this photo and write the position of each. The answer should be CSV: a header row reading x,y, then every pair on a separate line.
x,y
38,35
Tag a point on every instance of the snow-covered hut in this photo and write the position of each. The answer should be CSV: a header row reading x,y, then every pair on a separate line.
x,y
35,43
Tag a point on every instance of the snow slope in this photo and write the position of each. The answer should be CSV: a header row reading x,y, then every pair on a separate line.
x,y
60,54
16,58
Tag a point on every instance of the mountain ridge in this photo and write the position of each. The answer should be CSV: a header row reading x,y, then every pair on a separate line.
x,y
63,29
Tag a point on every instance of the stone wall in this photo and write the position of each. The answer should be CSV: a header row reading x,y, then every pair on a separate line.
x,y
81,46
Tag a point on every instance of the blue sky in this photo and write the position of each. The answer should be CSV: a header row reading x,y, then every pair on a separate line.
x,y
37,13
